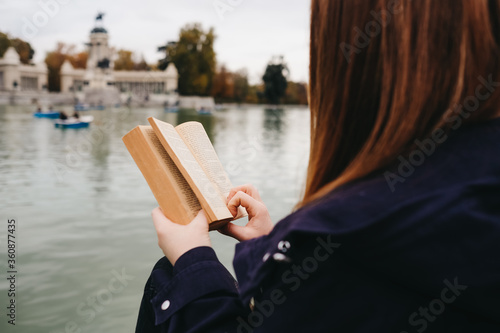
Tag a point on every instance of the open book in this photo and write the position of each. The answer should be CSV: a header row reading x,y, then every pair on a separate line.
x,y
183,171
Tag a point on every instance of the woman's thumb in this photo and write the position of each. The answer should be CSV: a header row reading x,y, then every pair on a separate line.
x,y
234,231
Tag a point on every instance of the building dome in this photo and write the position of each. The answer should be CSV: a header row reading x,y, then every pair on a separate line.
x,y
99,30
11,57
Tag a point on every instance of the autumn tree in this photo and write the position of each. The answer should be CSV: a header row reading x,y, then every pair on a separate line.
x,y
194,57
22,47
124,61
24,50
275,80
296,93
55,60
223,86
142,65
78,60
255,94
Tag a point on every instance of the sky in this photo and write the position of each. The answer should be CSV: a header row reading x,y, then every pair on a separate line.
x,y
249,32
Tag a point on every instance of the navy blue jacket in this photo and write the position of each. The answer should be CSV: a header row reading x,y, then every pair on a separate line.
x,y
413,249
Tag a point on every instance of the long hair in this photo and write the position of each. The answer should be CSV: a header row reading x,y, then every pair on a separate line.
x,y
384,73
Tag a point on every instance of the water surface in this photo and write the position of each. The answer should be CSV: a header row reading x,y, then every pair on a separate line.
x,y
85,239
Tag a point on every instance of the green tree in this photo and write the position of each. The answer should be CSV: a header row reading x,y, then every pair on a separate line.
x,y
4,43
194,57
275,80
169,50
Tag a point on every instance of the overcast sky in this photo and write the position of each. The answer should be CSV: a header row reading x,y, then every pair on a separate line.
x,y
249,32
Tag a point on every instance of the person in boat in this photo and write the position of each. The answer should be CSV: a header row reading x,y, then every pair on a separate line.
x,y
39,110
76,115
63,115
398,228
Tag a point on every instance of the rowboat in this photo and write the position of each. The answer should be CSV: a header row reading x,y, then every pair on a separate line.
x,y
171,109
72,122
48,114
82,107
204,111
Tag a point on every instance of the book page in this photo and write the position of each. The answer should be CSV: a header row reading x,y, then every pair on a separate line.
x,y
187,194
190,168
196,138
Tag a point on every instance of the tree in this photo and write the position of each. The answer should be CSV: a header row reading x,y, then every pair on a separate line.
x,y
194,57
275,80
142,65
169,50
124,61
4,43
255,94
24,49
55,60
296,93
78,60
241,86
223,87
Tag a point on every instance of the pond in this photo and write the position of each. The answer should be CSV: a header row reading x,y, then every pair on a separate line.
x,y
85,242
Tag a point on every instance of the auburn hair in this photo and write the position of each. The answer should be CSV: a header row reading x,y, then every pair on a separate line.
x,y
384,73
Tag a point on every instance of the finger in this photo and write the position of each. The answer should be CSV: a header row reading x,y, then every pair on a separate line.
x,y
248,189
233,230
242,199
160,221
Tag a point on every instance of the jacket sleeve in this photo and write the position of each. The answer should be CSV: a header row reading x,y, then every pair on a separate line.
x,y
198,294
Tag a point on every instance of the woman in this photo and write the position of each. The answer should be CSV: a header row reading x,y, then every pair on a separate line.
x,y
399,226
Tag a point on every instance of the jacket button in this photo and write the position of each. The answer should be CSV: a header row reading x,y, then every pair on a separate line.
x,y
165,305
284,246
251,304
280,257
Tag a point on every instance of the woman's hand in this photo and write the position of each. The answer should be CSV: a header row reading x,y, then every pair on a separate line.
x,y
259,221
175,239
